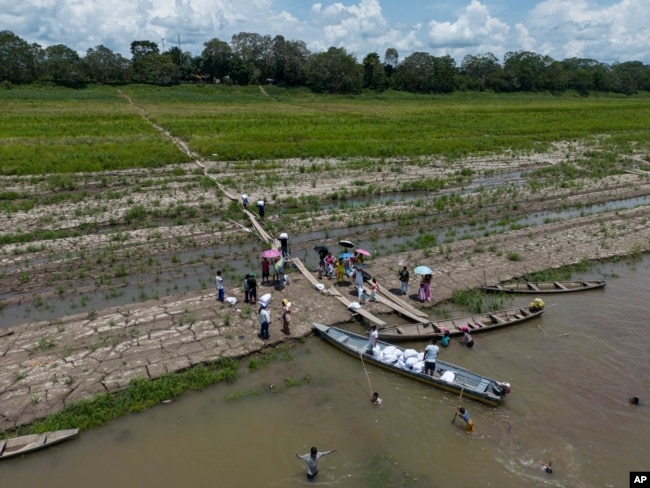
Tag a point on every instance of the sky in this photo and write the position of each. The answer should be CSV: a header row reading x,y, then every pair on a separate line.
x,y
605,30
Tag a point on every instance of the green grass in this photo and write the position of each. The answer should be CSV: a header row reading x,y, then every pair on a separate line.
x,y
140,395
54,130
65,130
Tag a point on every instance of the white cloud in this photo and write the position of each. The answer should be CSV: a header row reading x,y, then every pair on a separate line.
x,y
578,28
473,28
360,28
606,30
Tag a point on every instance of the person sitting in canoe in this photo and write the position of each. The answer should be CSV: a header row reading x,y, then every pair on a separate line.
x,y
467,338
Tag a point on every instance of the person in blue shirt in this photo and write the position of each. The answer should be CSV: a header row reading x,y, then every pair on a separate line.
x,y
446,338
469,423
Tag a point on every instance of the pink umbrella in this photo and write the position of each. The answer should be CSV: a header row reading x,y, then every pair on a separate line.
x,y
271,253
363,251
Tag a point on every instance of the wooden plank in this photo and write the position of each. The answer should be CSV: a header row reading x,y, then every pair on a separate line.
x,y
402,304
364,313
303,269
560,286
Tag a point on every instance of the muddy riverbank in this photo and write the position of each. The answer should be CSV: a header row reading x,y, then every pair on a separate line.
x,y
48,364
108,277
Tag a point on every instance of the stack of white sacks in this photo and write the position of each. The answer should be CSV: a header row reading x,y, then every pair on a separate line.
x,y
407,359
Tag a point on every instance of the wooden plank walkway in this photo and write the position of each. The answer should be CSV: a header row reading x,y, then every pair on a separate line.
x,y
364,313
303,269
383,297
402,304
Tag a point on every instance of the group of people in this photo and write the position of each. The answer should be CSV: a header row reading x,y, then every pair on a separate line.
x,y
260,205
424,293
265,319
278,276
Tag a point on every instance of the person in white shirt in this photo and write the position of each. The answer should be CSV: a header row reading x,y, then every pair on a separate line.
x,y
311,458
373,336
430,355
265,322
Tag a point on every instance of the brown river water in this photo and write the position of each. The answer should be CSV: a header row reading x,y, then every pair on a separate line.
x,y
572,372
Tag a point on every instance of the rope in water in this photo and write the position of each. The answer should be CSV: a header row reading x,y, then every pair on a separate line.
x,y
364,368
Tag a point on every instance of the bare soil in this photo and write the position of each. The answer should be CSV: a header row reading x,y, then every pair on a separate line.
x,y
111,230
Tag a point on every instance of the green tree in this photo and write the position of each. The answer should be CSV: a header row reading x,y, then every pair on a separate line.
x,y
18,59
478,68
142,61
240,72
256,53
104,66
630,77
416,73
217,56
554,77
444,79
334,71
62,65
391,61
290,59
374,76
525,69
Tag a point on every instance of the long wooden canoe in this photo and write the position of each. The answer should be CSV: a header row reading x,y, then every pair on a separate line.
x,y
28,443
474,323
448,376
536,287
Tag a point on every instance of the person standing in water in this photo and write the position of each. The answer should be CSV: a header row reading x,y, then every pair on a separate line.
x,y
469,423
311,459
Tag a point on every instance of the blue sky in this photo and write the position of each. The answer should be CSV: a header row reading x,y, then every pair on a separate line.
x,y
605,30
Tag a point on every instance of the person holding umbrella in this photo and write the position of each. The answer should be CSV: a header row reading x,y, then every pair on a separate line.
x,y
266,267
425,284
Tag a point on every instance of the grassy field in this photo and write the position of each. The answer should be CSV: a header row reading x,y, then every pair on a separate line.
x,y
62,130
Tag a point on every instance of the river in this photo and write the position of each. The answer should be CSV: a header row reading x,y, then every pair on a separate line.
x,y
572,372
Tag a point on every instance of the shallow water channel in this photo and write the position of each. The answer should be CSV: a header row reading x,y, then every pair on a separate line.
x,y
571,373
194,274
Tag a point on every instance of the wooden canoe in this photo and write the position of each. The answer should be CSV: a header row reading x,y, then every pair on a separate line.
x,y
448,376
28,443
475,323
537,287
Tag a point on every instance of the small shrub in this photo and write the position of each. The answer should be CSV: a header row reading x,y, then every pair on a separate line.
x,y
514,256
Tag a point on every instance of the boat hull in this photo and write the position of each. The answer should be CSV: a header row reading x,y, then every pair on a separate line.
x,y
534,288
29,443
470,384
478,323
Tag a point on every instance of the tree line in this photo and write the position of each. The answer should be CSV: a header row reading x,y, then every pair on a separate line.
x,y
251,58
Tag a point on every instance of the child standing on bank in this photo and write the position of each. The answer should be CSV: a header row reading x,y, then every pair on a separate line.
x,y
220,290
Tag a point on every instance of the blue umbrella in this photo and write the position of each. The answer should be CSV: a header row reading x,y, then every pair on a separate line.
x,y
423,270
346,255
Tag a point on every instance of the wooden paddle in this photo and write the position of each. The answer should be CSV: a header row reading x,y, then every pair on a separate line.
x,y
459,399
